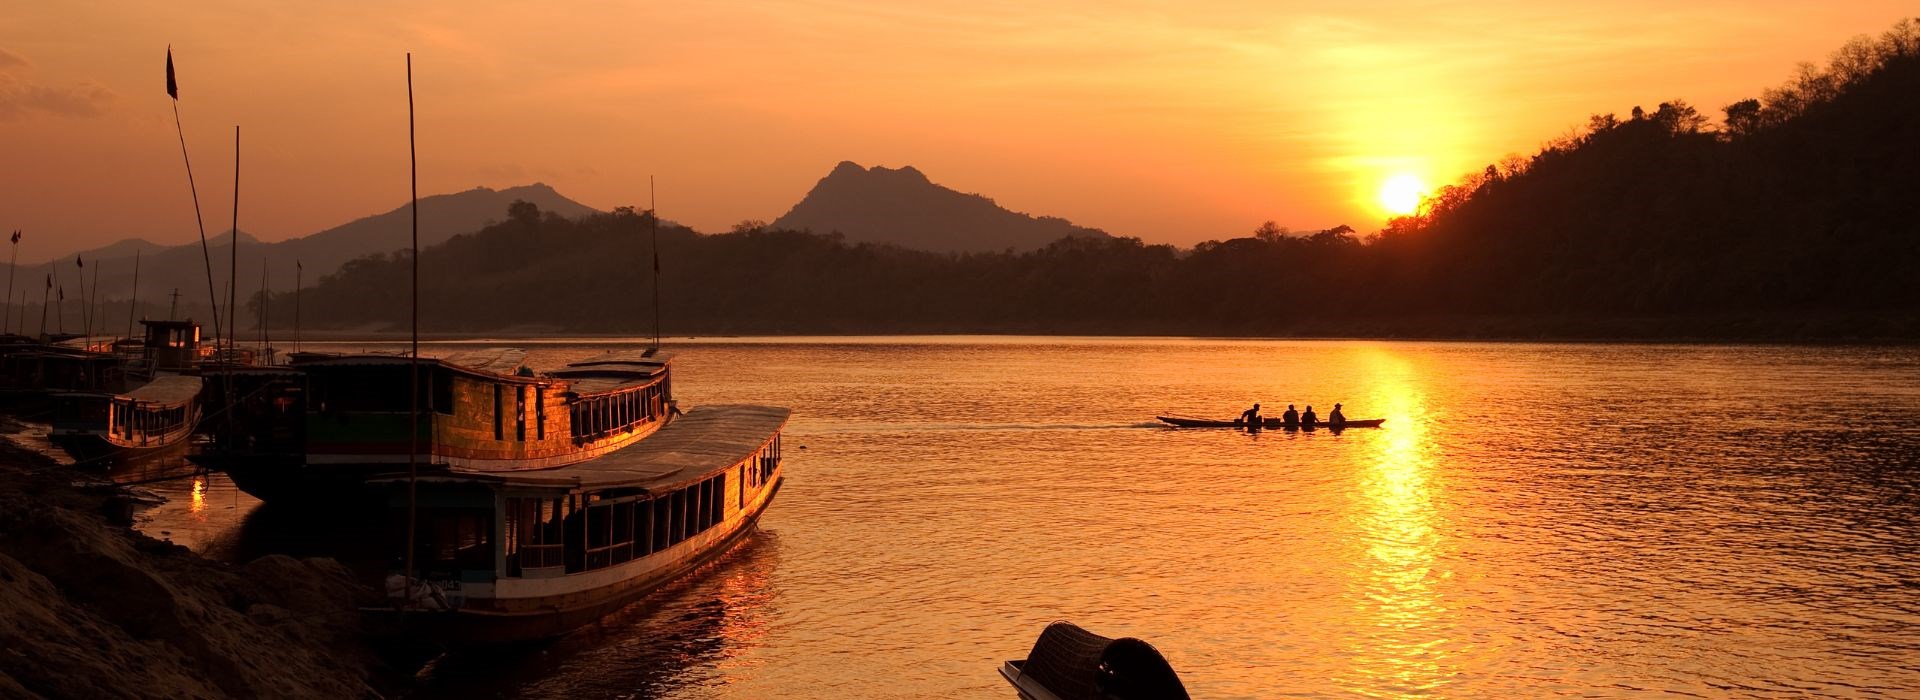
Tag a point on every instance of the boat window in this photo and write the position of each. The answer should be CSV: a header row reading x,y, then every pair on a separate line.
x,y
533,534
662,525
540,413
499,415
622,542
642,528
679,516
452,540
520,413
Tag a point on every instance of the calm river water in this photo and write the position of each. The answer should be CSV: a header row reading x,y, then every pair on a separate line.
x,y
1532,520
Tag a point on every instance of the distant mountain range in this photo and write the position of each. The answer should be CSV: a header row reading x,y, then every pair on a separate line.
x,y
164,268
904,208
880,205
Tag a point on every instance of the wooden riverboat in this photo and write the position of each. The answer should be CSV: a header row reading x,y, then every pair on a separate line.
x,y
158,416
519,555
340,419
1273,423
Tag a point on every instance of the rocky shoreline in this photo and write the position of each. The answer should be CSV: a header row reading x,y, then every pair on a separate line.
x,y
91,608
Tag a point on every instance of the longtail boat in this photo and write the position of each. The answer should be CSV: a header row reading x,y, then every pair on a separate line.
x,y
505,556
1183,422
326,423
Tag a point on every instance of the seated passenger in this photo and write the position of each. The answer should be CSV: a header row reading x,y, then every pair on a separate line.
x,y
1250,416
1291,418
1335,418
1308,419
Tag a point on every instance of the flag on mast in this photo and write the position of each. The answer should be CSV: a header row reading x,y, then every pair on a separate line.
x,y
173,88
16,235
78,262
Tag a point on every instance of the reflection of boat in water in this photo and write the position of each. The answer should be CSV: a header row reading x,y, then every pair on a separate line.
x,y
1184,422
652,648
318,428
158,416
1070,663
531,554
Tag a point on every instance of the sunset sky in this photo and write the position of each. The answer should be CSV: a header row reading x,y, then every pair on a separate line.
x,y
1174,122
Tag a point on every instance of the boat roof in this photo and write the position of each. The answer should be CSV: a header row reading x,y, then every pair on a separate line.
x,y
612,371
483,363
167,388
690,448
495,360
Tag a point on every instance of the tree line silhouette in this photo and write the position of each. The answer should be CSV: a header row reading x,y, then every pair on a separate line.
x,y
1795,215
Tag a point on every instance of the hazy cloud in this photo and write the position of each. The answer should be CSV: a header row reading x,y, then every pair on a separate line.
x,y
12,61
20,95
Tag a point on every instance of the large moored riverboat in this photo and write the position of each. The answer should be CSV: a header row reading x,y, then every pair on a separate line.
x,y
320,427
519,555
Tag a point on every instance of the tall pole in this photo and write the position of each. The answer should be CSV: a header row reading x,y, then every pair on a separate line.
x,y
206,253
133,307
44,297
233,255
102,315
413,404
13,267
266,345
86,310
296,305
654,217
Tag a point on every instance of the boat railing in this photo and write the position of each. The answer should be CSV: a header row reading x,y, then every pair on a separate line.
x,y
541,556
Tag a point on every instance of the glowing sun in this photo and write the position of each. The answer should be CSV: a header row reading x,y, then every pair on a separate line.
x,y
1400,195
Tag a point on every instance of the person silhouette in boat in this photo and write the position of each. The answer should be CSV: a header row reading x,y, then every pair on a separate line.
x,y
1336,420
1307,420
1291,418
1251,417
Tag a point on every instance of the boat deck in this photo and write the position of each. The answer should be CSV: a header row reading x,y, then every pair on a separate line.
x,y
688,449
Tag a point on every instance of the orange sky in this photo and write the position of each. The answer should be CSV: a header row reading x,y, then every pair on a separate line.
x,y
1175,122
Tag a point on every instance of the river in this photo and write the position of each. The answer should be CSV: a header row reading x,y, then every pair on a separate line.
x,y
1532,520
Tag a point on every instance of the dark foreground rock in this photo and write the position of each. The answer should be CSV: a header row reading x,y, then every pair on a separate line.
x,y
90,608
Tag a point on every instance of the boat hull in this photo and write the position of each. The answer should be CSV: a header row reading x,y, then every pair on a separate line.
x,y
288,479
89,447
1269,423
480,628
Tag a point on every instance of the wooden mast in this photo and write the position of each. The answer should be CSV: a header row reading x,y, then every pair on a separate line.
x,y
206,254
413,363
134,306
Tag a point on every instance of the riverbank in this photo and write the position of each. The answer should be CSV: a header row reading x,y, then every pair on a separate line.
x,y
1808,328
90,607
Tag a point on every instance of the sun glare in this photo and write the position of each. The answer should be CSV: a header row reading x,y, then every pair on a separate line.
x,y
1400,195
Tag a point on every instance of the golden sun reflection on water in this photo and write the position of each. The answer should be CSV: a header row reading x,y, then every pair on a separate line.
x,y
197,504
1399,639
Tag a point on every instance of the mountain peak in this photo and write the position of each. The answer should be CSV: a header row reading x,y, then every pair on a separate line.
x,y
901,206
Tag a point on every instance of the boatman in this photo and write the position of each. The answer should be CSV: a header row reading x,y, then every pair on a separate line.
x,y
1308,419
1251,416
1291,418
1335,419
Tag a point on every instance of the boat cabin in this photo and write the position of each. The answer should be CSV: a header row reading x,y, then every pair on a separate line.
x,y
483,410
172,345
553,545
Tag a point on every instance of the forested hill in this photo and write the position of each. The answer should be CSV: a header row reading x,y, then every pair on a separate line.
x,y
1795,214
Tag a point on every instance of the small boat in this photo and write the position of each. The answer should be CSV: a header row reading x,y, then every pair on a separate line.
x,y
1180,422
1070,663
159,415
524,555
